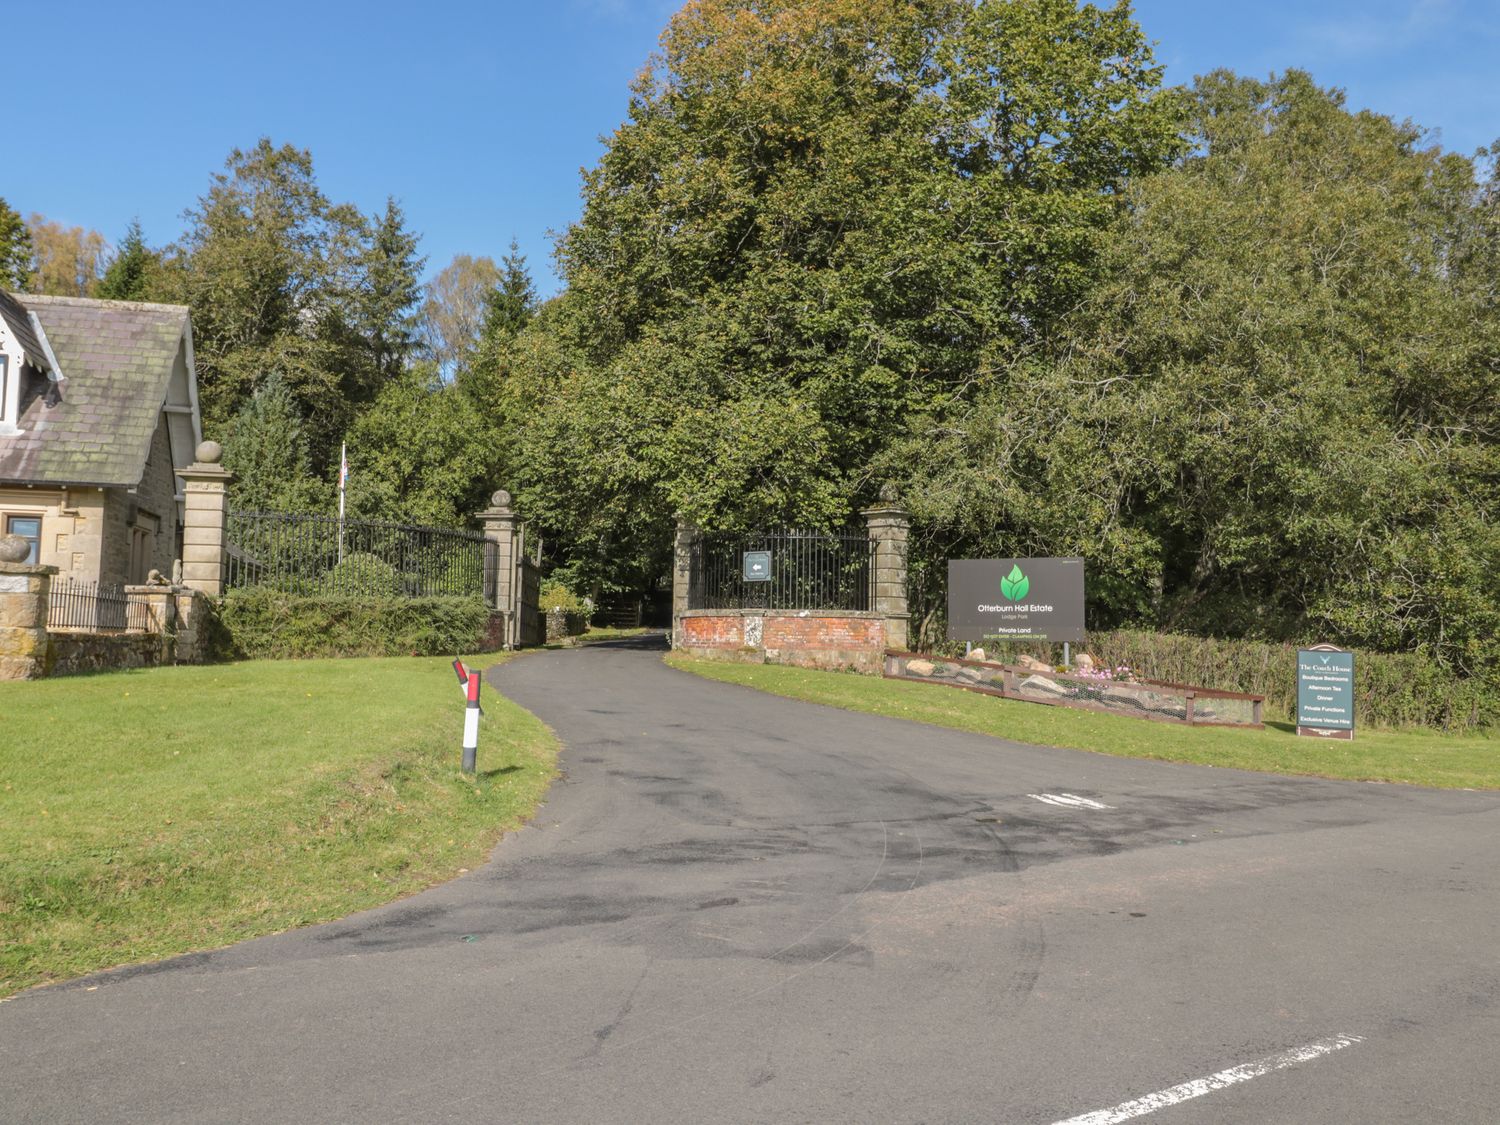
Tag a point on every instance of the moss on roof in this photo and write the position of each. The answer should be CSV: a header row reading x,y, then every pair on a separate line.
x,y
116,359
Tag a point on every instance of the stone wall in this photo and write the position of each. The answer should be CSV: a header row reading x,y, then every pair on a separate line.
x,y
73,522
23,619
195,620
157,496
494,634
86,531
114,554
176,629
804,638
153,504
562,623
74,653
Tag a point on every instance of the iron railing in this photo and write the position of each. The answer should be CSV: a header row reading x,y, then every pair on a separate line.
x,y
808,570
94,607
306,554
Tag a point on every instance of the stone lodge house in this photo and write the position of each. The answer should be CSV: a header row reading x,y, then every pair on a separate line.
x,y
98,413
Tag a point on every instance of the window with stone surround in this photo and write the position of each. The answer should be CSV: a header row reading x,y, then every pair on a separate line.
x,y
28,528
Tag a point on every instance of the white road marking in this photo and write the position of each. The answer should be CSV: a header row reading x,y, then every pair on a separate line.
x,y
1067,801
1200,1086
1085,802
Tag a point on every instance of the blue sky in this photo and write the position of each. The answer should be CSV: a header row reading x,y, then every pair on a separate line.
x,y
478,116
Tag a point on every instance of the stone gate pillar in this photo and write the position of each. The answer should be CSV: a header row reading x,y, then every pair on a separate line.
x,y
160,602
506,534
192,615
204,520
682,575
24,591
890,525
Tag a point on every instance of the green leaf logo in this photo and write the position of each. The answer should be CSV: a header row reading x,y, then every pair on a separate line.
x,y
1015,584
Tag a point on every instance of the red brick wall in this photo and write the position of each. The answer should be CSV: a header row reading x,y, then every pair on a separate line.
x,y
812,641
493,637
824,632
713,632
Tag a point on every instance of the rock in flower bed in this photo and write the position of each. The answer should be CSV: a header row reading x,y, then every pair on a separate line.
x,y
1115,690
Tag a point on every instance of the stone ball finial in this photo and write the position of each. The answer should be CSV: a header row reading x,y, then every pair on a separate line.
x,y
889,493
13,549
208,452
501,499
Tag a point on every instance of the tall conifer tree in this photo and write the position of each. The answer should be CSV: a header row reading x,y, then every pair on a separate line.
x,y
388,301
126,279
16,256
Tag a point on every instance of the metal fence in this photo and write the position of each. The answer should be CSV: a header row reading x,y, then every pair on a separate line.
x,y
804,570
94,607
301,554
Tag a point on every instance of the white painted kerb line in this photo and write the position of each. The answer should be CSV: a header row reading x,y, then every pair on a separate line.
x,y
1200,1086
1067,801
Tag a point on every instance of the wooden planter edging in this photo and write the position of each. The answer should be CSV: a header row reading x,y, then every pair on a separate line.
x,y
1007,686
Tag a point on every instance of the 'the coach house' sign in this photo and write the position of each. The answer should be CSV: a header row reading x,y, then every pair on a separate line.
x,y
1325,692
1015,599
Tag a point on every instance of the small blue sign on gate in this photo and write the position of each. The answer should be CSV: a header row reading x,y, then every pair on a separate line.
x,y
757,566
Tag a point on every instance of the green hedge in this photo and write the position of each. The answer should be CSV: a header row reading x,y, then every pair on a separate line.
x,y
361,573
556,595
1391,689
260,623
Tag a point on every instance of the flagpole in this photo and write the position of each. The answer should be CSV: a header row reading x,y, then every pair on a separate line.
x,y
343,476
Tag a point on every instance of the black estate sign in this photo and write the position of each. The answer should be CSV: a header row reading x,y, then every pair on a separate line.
x,y
1015,599
1325,692
756,566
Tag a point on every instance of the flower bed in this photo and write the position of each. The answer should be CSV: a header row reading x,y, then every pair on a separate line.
x,y
1142,699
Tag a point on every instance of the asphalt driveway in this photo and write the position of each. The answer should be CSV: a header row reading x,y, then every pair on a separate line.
x,y
740,908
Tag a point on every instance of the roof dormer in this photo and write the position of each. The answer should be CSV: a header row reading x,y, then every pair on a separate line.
x,y
12,363
23,348
10,394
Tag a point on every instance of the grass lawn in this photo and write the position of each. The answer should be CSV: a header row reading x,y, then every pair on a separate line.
x,y
150,813
1414,757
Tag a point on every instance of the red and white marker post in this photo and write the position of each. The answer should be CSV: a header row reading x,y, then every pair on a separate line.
x,y
468,683
471,725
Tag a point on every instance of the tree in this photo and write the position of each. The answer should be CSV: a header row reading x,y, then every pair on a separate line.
x,y
421,453
454,312
513,301
16,256
511,304
255,265
128,276
248,265
365,304
266,449
386,302
822,223
69,260
607,522
1276,414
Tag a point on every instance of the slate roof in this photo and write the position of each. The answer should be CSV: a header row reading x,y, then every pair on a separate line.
x,y
116,359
